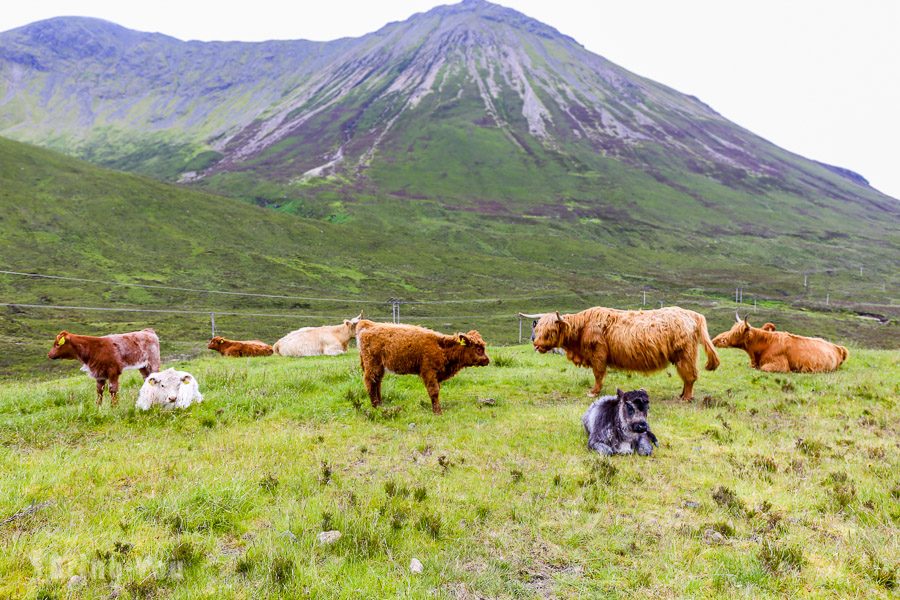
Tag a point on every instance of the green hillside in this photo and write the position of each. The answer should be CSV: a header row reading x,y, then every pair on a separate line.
x,y
61,216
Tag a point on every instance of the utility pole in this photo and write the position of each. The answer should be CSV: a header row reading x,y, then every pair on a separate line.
x,y
212,323
644,301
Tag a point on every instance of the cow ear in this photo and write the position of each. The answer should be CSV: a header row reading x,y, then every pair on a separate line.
x,y
152,381
186,379
619,393
462,339
347,323
61,340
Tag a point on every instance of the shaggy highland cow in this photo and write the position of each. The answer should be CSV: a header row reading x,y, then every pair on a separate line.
x,y
780,351
411,350
632,340
618,424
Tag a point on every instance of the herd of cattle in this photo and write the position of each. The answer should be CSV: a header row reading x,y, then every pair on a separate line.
x,y
597,338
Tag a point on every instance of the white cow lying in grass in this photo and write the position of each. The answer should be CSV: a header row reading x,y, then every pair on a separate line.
x,y
169,388
314,341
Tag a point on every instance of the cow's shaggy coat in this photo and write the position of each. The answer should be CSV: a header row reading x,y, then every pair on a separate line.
x,y
411,350
314,341
618,424
104,358
780,351
227,347
632,340
169,389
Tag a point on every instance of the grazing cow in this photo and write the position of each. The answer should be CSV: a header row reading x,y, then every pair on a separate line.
x,y
768,327
169,389
618,424
227,347
780,351
104,358
314,341
411,350
633,340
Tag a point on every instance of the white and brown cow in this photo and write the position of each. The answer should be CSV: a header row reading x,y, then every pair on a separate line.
x,y
315,341
104,358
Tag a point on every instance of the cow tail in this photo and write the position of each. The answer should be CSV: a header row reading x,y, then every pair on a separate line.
x,y
712,357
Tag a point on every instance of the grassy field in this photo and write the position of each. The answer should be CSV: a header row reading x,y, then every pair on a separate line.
x,y
765,486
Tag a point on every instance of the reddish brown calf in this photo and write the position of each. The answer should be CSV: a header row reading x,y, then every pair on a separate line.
x,y
411,350
238,348
104,358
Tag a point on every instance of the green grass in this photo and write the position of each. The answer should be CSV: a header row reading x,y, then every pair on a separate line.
x,y
766,486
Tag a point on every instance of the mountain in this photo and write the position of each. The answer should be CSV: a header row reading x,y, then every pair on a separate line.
x,y
473,101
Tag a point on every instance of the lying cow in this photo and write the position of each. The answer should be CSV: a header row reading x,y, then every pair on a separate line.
x,y
104,358
411,350
314,341
169,389
780,351
227,347
632,340
618,424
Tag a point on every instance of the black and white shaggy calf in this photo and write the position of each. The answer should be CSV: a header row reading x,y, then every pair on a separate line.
x,y
618,424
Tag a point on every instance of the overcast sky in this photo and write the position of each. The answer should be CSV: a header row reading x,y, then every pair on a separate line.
x,y
818,77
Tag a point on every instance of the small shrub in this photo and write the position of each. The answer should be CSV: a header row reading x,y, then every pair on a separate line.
x,y
727,499
841,488
355,397
244,565
780,557
325,473
882,574
481,513
517,475
420,493
765,463
723,527
269,482
282,570
503,361
601,471
185,554
813,448
430,524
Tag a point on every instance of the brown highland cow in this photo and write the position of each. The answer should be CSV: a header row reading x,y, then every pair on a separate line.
x,y
631,340
236,348
411,350
780,351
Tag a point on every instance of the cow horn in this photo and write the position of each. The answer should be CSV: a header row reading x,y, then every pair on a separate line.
x,y
558,317
737,317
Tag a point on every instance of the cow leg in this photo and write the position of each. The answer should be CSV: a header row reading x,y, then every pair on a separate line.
x,y
114,389
687,370
600,447
373,376
434,390
599,369
101,383
643,446
777,365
